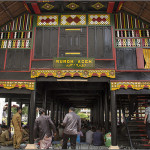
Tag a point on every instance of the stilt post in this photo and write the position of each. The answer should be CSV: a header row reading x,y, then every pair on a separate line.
x,y
113,119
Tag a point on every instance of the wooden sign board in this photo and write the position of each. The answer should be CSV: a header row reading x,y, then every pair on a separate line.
x,y
74,63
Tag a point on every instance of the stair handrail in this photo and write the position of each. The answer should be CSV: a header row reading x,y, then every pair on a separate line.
x,y
124,118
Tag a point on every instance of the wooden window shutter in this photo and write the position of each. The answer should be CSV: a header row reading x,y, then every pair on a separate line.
x,y
140,58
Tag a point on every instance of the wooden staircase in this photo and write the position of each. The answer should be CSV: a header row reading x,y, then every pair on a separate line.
x,y
136,126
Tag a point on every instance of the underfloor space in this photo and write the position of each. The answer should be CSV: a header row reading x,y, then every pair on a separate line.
x,y
57,97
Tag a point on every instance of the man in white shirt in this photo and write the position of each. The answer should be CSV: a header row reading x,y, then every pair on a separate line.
x,y
89,136
147,121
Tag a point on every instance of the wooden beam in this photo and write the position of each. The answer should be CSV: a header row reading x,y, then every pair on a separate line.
x,y
119,6
6,10
14,3
36,8
110,7
142,9
26,6
132,12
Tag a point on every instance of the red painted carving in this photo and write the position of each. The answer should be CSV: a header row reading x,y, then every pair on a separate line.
x,y
98,19
76,19
47,20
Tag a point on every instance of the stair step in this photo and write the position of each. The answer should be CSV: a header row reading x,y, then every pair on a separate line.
x,y
137,117
146,145
142,102
140,140
134,121
139,113
139,135
137,130
142,99
142,146
135,125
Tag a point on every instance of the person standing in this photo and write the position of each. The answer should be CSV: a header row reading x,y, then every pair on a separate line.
x,y
42,129
72,123
147,121
16,121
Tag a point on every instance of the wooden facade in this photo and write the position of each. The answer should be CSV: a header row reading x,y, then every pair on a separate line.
x,y
119,43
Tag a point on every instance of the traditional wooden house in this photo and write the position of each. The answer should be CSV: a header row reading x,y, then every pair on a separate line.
x,y
90,54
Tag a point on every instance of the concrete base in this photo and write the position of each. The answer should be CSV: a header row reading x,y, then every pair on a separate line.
x,y
114,147
31,146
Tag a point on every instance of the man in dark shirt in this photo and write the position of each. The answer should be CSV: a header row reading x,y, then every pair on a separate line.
x,y
42,129
98,139
72,123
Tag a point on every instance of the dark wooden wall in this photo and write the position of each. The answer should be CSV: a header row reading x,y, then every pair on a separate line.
x,y
2,58
126,59
100,45
46,42
18,59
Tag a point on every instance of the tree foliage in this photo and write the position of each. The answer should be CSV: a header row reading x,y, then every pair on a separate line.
x,y
77,110
25,110
83,115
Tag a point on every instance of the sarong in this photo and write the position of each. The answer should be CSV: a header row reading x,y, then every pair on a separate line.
x,y
46,142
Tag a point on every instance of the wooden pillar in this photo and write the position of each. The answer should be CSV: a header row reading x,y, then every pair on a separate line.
x,y
60,120
98,112
91,115
62,117
9,112
20,105
113,119
52,110
120,111
44,105
57,107
28,113
32,117
106,112
101,111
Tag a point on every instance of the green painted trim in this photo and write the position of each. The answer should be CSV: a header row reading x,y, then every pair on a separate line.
x,y
34,21
33,26
132,37
133,47
113,25
100,25
19,48
16,39
132,29
112,20
128,47
17,31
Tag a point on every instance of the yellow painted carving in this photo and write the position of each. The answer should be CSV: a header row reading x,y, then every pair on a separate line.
x,y
47,20
14,43
22,44
99,19
126,85
73,20
18,84
72,73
